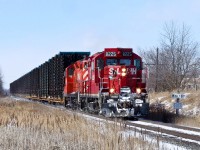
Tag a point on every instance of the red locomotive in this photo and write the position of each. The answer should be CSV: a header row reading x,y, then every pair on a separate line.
x,y
111,82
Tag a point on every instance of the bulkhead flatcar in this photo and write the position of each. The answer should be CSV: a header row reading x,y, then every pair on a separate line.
x,y
45,83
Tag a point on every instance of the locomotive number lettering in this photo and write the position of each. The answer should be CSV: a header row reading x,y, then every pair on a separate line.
x,y
111,54
127,53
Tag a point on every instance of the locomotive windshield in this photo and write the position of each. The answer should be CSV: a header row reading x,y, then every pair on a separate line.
x,y
111,62
126,62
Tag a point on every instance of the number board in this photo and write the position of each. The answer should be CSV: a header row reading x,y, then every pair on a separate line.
x,y
127,53
111,54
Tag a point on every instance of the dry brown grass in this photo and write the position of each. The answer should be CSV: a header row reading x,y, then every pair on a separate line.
x,y
159,97
190,113
28,125
188,121
193,99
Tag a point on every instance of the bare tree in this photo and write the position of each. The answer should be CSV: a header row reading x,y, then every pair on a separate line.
x,y
175,60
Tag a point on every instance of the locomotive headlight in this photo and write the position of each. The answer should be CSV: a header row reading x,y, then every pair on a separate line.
x,y
123,74
112,90
123,69
138,90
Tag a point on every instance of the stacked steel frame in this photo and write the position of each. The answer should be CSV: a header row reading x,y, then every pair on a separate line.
x,y
47,80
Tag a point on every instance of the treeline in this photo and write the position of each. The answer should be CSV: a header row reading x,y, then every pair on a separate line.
x,y
175,62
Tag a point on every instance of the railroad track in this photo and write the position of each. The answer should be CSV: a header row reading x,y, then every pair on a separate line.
x,y
169,129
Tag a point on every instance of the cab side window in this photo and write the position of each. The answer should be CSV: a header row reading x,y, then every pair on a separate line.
x,y
85,65
137,64
92,67
70,71
100,63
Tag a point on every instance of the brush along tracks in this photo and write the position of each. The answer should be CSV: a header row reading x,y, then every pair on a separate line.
x,y
163,128
182,133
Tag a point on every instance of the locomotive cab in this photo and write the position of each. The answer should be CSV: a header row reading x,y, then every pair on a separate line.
x,y
123,77
122,68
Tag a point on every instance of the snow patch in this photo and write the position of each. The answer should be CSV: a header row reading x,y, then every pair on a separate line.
x,y
168,128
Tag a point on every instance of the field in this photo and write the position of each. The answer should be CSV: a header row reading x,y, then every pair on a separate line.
x,y
31,125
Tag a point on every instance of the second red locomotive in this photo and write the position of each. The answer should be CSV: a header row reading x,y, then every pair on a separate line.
x,y
112,82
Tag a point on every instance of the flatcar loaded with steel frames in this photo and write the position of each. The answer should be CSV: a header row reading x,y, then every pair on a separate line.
x,y
111,82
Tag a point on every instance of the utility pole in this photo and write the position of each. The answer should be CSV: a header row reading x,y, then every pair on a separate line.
x,y
177,110
156,65
156,86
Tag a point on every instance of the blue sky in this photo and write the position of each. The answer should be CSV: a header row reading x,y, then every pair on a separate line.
x,y
32,31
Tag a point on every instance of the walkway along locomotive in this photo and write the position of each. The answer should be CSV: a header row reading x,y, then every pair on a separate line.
x,y
112,83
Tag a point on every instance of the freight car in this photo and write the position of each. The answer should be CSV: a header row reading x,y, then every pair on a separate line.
x,y
46,82
111,82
